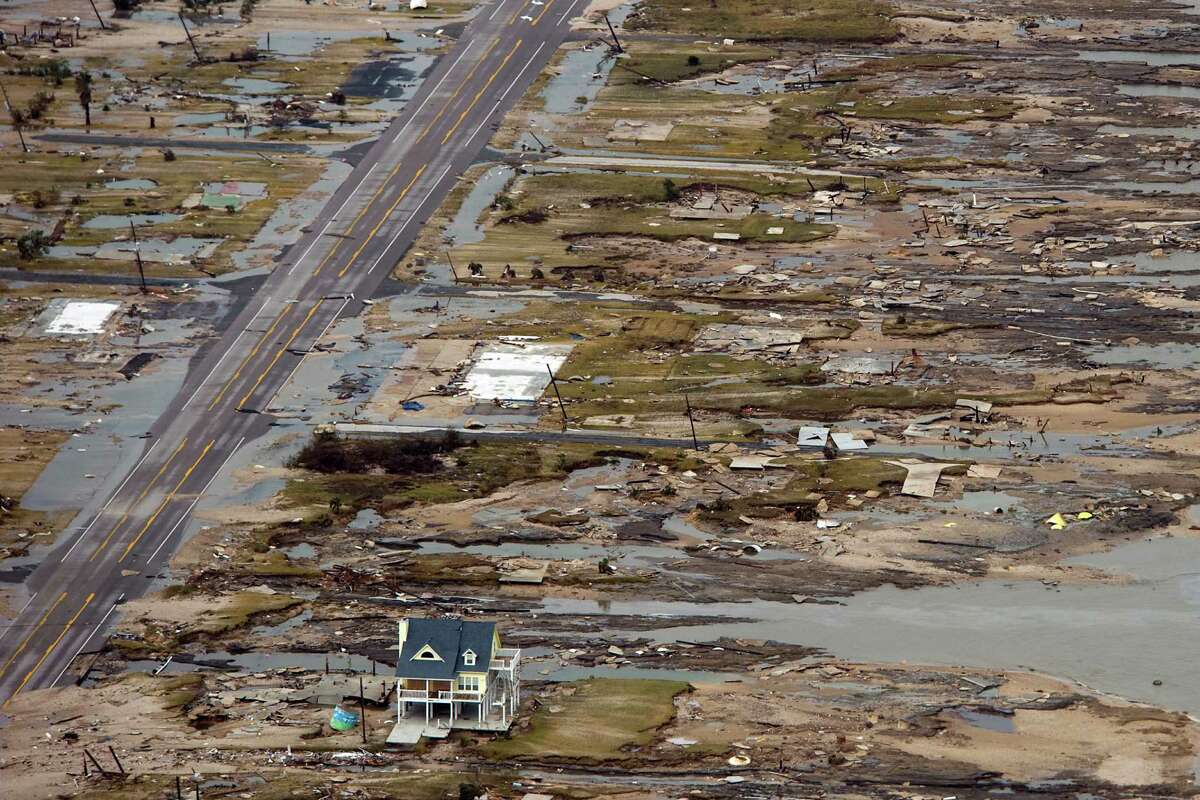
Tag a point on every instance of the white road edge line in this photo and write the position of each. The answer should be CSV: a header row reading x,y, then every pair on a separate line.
x,y
9,628
228,350
568,11
432,92
99,625
112,497
333,219
499,6
292,374
486,119
200,494
408,222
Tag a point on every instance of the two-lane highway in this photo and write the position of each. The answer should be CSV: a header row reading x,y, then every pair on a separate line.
x,y
126,536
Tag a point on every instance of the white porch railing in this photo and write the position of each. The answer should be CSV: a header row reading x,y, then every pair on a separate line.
x,y
438,696
506,659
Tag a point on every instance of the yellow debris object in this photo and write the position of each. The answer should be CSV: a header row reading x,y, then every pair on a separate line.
x,y
1084,515
1057,522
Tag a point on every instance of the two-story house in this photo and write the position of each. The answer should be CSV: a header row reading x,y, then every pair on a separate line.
x,y
454,673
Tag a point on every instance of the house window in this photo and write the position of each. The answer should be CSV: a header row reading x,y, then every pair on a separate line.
x,y
469,658
469,683
426,653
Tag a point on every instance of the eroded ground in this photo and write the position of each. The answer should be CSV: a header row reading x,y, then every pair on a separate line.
x,y
871,328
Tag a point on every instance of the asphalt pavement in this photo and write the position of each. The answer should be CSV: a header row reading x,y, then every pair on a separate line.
x,y
125,538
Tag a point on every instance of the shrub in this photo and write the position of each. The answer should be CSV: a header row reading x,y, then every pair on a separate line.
x,y
32,244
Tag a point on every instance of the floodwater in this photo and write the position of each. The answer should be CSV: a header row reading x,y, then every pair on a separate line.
x,y
580,77
464,228
1175,355
115,221
256,86
1067,631
131,183
1159,90
1159,59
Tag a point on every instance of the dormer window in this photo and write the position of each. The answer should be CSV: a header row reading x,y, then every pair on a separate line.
x,y
469,658
426,653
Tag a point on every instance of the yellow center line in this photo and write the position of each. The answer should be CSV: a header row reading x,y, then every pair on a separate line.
x,y
51,648
479,94
262,340
383,186
545,8
166,500
383,219
32,633
283,349
450,100
513,18
139,499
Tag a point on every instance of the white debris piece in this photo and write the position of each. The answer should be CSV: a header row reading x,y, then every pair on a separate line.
x,y
811,436
515,372
82,317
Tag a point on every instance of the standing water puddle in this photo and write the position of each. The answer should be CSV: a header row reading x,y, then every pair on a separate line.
x,y
580,77
1114,638
464,228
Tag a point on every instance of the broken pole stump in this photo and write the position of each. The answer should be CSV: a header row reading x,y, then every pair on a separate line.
x,y
362,710
178,788
95,763
113,753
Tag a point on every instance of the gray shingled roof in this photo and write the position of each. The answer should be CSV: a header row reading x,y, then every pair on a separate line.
x,y
449,638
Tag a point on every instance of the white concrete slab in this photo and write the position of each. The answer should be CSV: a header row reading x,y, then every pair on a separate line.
x,y
82,317
514,371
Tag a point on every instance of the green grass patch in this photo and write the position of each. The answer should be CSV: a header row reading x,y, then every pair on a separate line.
x,y
599,721
670,65
764,20
239,609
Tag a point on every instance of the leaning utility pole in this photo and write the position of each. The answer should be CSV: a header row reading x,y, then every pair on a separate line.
x,y
692,422
103,27
137,255
561,408
191,41
613,31
17,126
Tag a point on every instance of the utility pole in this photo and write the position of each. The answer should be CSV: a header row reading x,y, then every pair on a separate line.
x,y
453,271
362,710
536,139
192,42
554,383
103,27
691,422
137,255
613,31
17,126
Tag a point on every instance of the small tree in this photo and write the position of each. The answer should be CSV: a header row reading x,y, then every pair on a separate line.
x,y
83,88
693,61
670,190
32,244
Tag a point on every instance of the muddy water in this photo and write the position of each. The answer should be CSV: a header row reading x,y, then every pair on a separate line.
x,y
1159,90
1114,638
580,77
464,228
1160,59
